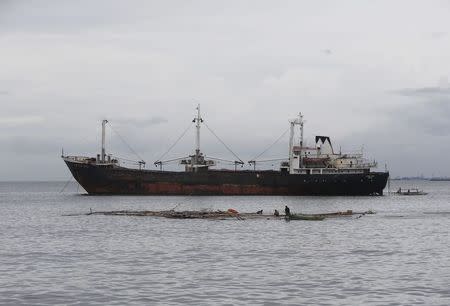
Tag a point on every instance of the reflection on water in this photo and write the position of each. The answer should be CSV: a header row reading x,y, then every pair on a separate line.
x,y
399,255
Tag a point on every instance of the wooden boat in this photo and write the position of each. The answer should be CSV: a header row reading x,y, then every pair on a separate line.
x,y
411,191
305,217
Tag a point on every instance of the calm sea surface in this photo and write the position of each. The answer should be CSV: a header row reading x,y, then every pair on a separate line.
x,y
399,256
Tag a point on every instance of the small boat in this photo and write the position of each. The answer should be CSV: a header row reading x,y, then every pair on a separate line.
x,y
410,191
305,217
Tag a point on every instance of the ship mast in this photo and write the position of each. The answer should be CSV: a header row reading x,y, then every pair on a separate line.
x,y
300,118
198,120
291,142
298,121
103,154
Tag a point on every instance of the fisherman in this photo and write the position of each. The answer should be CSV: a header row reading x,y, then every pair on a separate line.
x,y
259,212
276,213
287,211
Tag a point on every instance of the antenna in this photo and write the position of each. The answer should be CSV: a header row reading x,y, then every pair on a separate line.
x,y
198,120
301,122
104,122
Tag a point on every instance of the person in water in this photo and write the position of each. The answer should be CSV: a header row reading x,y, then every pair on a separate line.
x,y
287,211
276,213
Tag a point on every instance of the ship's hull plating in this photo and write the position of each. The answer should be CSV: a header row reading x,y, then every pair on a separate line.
x,y
97,179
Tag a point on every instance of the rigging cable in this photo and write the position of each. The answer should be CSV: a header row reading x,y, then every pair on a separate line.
x,y
125,160
223,143
270,160
221,159
67,183
175,143
269,147
123,140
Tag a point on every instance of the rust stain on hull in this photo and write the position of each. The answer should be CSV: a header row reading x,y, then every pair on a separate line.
x,y
225,189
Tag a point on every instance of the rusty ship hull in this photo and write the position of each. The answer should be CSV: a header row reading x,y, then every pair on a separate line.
x,y
116,180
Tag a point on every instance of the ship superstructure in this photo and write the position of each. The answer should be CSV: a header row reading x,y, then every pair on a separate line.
x,y
321,158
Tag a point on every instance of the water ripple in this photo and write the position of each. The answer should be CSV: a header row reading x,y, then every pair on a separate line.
x,y
375,260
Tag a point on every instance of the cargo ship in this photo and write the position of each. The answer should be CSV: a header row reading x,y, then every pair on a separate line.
x,y
307,170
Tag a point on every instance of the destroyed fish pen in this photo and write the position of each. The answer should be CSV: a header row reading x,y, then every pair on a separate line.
x,y
222,215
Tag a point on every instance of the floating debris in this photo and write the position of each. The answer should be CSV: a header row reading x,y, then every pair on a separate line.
x,y
220,215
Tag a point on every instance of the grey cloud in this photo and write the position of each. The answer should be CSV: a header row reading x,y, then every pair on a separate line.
x,y
60,16
427,117
139,122
424,91
438,35
430,113
409,140
432,120
41,146
22,119
251,66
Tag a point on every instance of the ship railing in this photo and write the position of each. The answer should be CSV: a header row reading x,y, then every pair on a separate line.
x,y
84,159
352,155
359,166
367,164
362,162
118,160
329,170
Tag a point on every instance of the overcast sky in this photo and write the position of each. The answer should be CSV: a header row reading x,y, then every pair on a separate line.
x,y
367,73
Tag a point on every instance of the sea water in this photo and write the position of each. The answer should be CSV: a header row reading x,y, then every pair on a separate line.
x,y
398,256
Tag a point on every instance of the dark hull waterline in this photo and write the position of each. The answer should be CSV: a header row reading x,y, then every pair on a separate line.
x,y
101,179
